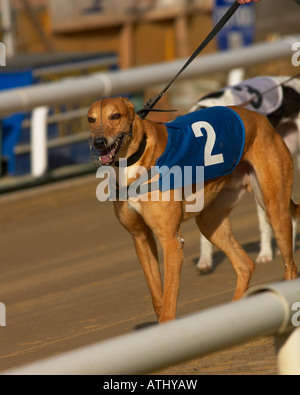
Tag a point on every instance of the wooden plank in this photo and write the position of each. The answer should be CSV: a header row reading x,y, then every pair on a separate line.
x,y
100,21
126,46
181,36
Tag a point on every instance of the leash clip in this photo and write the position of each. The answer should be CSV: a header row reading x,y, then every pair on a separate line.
x,y
145,111
149,105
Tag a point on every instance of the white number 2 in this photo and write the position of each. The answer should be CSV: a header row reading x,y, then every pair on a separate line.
x,y
209,159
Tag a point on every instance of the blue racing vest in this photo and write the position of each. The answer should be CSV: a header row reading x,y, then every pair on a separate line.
x,y
211,139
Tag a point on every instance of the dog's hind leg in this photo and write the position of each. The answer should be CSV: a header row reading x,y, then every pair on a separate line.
x,y
205,262
272,182
265,254
213,222
279,215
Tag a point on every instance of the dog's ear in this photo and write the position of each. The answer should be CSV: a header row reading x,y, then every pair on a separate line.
x,y
128,102
130,107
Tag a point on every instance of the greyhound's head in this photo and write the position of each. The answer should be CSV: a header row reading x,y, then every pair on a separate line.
x,y
111,122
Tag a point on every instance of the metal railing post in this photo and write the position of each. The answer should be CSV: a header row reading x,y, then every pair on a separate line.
x,y
287,348
39,152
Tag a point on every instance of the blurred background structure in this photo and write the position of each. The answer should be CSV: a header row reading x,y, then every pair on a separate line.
x,y
49,40
68,272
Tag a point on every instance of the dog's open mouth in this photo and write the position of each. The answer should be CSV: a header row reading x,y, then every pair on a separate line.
x,y
108,155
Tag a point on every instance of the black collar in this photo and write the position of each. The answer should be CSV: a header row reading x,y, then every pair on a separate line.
x,y
137,155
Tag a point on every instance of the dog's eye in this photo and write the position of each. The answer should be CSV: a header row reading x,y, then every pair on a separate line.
x,y
115,117
91,120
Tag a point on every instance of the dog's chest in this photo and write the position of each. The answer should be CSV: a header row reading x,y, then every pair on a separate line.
x,y
135,206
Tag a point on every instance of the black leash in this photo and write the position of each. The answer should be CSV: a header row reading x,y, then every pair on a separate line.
x,y
143,110
153,101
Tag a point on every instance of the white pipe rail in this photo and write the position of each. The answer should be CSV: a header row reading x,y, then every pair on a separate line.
x,y
139,78
288,353
267,311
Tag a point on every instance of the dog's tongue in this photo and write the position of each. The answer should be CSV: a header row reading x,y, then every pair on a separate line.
x,y
106,159
108,156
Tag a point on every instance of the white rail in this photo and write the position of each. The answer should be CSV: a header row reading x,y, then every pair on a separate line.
x,y
269,310
139,78
122,82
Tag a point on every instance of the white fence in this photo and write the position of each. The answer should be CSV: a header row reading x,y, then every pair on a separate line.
x,y
126,81
139,78
268,310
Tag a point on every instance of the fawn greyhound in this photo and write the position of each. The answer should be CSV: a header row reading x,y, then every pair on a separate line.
x,y
255,157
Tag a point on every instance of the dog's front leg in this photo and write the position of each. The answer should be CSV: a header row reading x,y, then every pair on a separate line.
x,y
173,258
164,218
146,250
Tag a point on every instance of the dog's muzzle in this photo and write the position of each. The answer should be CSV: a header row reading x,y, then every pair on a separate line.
x,y
100,143
102,153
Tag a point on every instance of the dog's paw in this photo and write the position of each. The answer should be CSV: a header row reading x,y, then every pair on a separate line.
x,y
264,257
204,266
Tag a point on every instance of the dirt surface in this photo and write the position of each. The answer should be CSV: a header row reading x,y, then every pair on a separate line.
x,y
69,277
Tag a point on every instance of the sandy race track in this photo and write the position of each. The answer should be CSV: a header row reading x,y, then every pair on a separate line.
x,y
69,277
